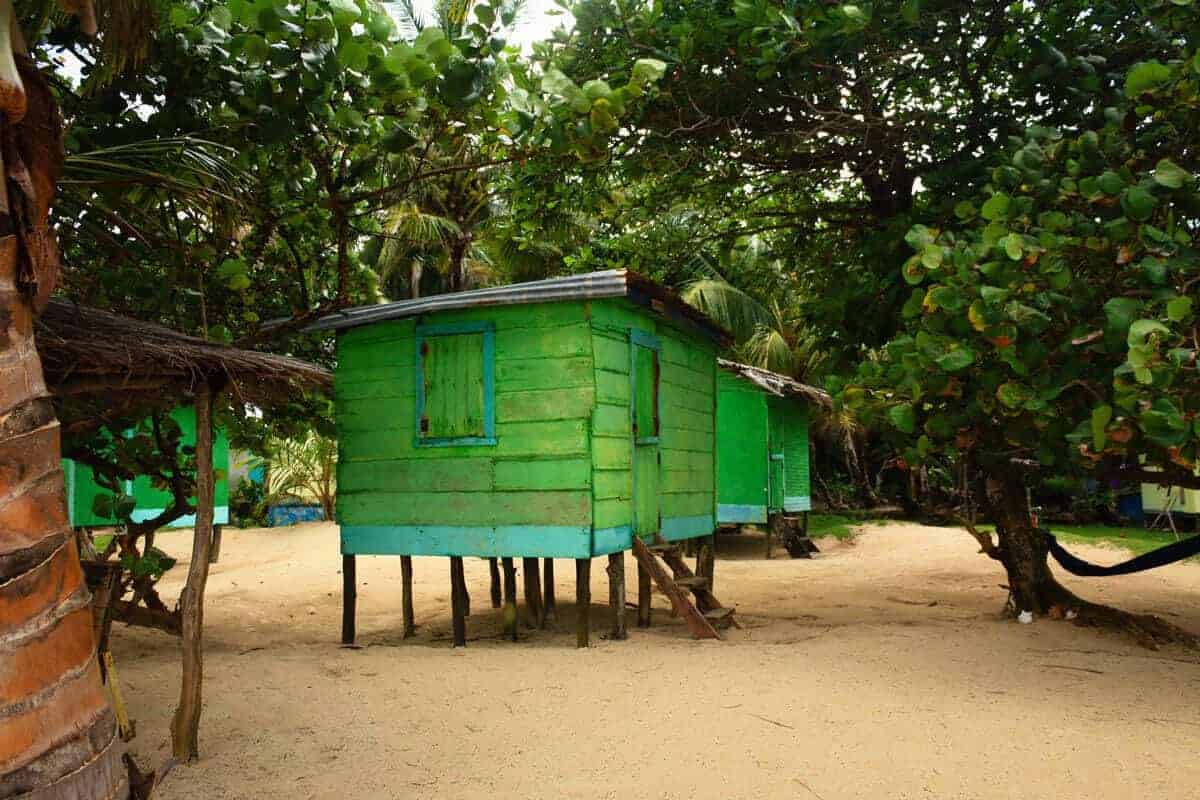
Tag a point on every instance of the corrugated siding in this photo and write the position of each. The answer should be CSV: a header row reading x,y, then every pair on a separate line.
x,y
538,472
796,457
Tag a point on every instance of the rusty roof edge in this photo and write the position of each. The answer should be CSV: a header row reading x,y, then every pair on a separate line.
x,y
593,285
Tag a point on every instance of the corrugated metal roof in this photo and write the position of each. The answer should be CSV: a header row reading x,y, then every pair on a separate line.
x,y
610,283
776,384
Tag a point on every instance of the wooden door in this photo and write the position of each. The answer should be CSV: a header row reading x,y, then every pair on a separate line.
x,y
775,465
644,413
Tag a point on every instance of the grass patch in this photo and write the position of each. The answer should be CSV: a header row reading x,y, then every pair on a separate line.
x,y
835,525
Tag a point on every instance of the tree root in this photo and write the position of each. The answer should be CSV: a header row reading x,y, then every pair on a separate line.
x,y
1058,602
1148,630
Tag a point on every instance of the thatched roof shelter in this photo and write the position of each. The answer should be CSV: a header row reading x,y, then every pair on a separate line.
x,y
89,352
776,384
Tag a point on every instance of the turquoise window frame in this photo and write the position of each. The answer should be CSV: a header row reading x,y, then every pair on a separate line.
x,y
488,330
640,338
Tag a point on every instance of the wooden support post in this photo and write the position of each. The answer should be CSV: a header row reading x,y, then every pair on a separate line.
x,y
533,592
643,613
406,598
215,554
583,600
510,598
706,558
494,571
458,601
550,605
185,725
616,594
349,598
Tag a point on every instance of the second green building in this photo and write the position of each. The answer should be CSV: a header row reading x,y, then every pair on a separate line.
x,y
762,445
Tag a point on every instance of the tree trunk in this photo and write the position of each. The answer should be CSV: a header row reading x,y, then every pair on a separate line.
x,y
458,253
1023,549
185,727
58,736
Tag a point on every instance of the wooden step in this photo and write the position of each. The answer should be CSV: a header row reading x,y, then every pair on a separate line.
x,y
663,547
692,582
721,617
700,627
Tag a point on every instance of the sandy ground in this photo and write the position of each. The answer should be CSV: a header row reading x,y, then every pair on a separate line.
x,y
883,669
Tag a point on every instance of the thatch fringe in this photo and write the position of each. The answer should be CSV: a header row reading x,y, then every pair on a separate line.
x,y
776,384
86,351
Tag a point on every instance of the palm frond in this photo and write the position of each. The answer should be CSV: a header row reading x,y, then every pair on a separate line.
x,y
125,36
769,349
188,168
409,21
729,306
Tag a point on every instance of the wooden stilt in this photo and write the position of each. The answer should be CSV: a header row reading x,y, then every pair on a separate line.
x,y
406,598
349,599
185,725
643,614
616,594
458,601
510,599
494,571
550,606
706,558
583,600
533,592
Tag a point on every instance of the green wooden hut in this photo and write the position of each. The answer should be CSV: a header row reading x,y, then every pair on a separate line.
x,y
762,451
82,488
555,419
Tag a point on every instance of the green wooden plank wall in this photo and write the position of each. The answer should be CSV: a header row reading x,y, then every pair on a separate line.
x,y
687,480
394,494
688,435
82,488
741,451
561,467
612,445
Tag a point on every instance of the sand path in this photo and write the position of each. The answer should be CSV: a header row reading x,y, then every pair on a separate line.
x,y
880,670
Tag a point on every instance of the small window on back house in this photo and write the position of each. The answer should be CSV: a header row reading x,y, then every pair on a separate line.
x,y
455,385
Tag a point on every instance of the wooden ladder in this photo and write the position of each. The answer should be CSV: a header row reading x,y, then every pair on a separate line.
x,y
702,617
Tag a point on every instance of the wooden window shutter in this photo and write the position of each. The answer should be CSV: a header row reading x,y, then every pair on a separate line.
x,y
453,383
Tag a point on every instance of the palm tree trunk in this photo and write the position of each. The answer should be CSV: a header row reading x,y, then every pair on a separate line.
x,y
458,253
57,731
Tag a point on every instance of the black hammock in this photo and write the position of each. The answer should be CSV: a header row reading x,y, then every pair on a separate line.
x,y
1167,554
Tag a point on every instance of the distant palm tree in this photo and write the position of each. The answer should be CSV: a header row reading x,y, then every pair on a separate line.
x,y
767,330
435,237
